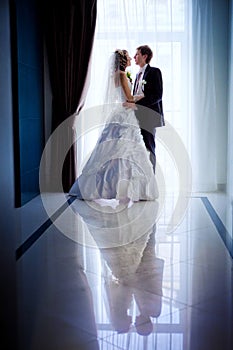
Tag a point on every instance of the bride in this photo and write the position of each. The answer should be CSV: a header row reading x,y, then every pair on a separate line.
x,y
119,167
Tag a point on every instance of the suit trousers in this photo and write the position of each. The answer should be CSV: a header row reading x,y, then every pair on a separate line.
x,y
149,140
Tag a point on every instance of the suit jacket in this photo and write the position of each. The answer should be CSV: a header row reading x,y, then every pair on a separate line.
x,y
150,114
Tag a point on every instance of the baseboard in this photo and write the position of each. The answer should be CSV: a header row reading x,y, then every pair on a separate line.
x,y
222,187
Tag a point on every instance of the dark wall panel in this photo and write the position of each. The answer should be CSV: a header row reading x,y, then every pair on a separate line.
x,y
28,94
8,307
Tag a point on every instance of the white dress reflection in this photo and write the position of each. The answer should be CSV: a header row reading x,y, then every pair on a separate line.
x,y
131,270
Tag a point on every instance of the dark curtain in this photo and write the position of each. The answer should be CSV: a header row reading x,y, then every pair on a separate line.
x,y
69,33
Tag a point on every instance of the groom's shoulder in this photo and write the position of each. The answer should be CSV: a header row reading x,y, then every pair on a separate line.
x,y
153,69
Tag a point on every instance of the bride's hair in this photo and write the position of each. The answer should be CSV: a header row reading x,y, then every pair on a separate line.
x,y
117,63
120,59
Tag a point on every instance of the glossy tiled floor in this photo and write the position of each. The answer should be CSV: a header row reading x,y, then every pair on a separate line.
x,y
99,278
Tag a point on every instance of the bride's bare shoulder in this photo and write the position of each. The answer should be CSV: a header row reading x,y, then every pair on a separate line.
x,y
122,75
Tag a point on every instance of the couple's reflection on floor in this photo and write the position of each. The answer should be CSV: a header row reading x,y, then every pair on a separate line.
x,y
131,270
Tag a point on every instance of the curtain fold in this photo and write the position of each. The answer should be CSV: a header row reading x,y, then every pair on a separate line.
x,y
69,33
203,90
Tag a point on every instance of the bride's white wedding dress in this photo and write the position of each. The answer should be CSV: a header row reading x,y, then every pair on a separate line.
x,y
119,166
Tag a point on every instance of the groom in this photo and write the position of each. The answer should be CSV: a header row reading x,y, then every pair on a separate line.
x,y
148,91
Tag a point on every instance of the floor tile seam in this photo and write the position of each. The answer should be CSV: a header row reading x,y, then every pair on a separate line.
x,y
116,347
27,244
182,232
157,328
165,298
220,227
190,304
214,316
200,305
180,304
197,263
190,262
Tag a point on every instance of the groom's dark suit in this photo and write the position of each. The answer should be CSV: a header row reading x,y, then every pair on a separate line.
x,y
150,108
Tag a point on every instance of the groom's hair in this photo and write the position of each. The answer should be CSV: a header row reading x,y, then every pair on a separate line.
x,y
146,50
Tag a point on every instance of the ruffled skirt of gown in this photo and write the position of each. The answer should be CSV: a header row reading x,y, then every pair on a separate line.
x,y
119,166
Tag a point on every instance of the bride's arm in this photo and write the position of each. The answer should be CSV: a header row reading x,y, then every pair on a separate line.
x,y
125,87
